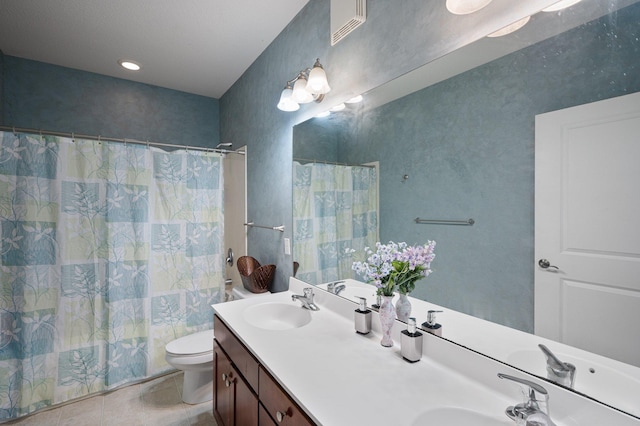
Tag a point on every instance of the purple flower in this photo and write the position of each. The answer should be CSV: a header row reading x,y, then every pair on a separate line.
x,y
396,266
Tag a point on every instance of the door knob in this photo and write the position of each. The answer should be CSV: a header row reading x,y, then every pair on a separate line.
x,y
545,264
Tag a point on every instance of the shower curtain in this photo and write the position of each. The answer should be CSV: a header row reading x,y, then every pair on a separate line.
x,y
335,209
108,252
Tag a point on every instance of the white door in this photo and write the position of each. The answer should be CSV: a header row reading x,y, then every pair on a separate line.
x,y
587,226
235,233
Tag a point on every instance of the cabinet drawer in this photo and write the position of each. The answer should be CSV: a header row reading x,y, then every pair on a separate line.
x,y
246,364
246,404
277,403
263,417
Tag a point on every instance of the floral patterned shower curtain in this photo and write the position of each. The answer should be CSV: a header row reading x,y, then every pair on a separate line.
x,y
108,252
335,208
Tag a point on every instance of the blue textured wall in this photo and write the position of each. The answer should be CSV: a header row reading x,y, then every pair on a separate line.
x,y
397,37
468,146
48,97
317,140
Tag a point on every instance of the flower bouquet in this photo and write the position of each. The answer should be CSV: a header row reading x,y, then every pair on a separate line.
x,y
396,266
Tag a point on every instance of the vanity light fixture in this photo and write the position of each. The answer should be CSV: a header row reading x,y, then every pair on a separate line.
x,y
563,4
464,7
309,85
129,65
511,28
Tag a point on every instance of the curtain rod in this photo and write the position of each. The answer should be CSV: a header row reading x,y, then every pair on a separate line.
x,y
121,140
333,163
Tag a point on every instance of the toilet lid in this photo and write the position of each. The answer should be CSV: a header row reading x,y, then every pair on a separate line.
x,y
193,344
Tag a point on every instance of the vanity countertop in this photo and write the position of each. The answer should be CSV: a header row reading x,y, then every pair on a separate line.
x,y
614,383
342,378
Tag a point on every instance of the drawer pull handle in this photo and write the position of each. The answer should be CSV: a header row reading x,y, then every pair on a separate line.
x,y
228,379
280,415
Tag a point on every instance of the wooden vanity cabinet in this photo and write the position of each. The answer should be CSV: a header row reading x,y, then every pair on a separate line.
x,y
223,393
234,402
264,419
278,404
244,394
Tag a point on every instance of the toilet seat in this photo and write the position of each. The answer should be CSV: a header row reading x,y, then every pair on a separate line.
x,y
239,292
191,345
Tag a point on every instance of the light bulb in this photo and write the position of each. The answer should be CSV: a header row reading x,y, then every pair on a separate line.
x,y
286,103
511,28
318,84
561,5
300,93
464,7
354,100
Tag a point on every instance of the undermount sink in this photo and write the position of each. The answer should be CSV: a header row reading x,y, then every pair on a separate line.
x,y
277,316
459,417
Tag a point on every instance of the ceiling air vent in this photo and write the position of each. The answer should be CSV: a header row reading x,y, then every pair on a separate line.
x,y
346,16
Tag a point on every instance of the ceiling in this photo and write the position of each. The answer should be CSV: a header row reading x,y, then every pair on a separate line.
x,y
195,46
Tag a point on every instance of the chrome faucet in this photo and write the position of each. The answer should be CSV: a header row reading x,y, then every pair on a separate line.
x,y
562,373
533,412
307,299
336,287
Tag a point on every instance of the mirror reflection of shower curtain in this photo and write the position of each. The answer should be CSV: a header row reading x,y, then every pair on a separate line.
x,y
335,209
109,251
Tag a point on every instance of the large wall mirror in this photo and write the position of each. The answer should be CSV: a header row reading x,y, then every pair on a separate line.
x,y
455,140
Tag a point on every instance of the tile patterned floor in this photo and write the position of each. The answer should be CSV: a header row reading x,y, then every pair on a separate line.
x,y
154,403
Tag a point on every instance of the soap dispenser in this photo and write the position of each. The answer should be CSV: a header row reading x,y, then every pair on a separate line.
x,y
431,326
411,342
362,317
376,306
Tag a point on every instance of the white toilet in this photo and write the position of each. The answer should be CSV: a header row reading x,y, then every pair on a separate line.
x,y
239,292
193,354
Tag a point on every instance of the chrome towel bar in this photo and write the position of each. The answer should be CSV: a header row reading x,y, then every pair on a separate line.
x,y
445,222
275,228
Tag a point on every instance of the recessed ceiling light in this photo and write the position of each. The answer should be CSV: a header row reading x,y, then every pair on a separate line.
x,y
354,100
323,114
337,108
130,65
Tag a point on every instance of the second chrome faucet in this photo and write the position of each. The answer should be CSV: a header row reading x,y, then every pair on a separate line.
x,y
563,373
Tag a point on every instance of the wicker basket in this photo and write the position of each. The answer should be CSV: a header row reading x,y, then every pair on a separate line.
x,y
255,278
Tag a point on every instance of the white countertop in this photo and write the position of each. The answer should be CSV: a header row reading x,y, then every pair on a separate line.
x,y
614,383
341,378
